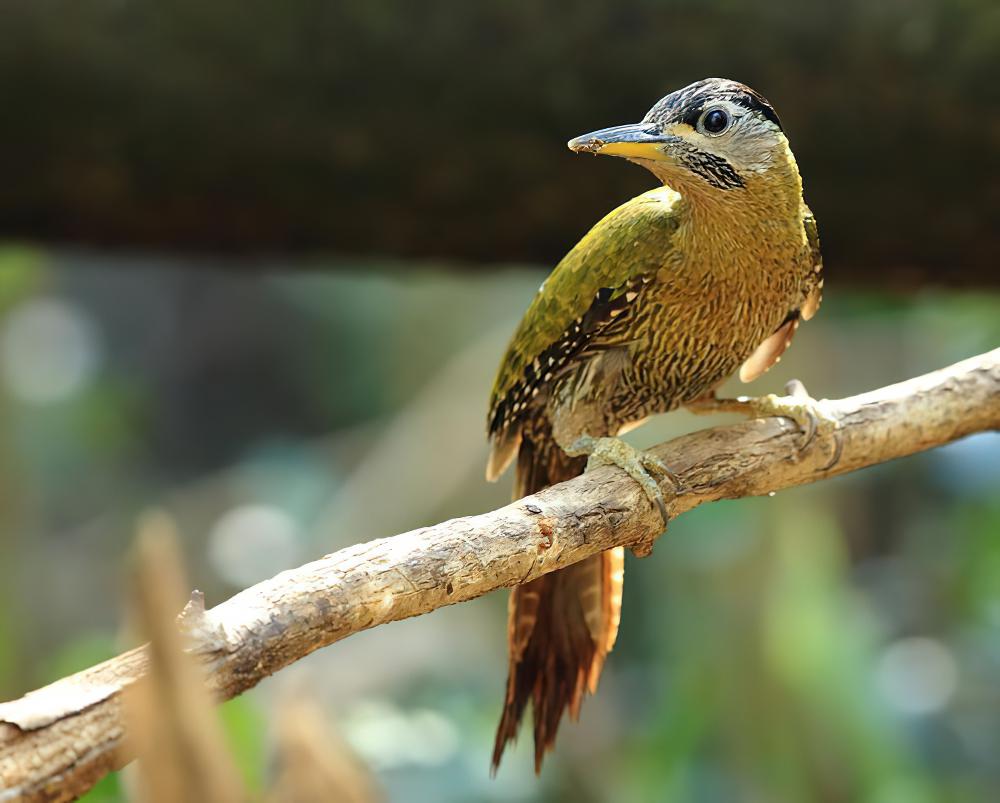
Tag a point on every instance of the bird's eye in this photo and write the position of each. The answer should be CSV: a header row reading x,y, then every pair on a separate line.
x,y
715,121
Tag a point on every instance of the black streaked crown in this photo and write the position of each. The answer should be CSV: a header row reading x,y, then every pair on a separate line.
x,y
686,105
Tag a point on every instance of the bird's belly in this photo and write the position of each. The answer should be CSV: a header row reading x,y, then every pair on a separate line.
x,y
668,365
677,343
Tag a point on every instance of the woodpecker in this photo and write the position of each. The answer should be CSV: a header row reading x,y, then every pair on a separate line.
x,y
661,301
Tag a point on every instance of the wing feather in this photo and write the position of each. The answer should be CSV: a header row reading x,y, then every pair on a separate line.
x,y
584,291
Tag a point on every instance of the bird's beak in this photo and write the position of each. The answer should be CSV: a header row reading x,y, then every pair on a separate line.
x,y
634,141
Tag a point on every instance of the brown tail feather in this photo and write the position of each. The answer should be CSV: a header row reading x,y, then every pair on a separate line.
x,y
561,626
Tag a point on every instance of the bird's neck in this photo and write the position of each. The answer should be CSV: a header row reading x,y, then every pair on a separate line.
x,y
769,198
766,203
760,221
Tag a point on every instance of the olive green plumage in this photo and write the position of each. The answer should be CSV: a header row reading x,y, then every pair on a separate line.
x,y
625,245
651,286
662,300
624,248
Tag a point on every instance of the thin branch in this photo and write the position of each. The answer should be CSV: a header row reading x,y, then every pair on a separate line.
x,y
57,741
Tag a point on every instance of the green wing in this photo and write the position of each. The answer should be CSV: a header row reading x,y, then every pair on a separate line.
x,y
629,243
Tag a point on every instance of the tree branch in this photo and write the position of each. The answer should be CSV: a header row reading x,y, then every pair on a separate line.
x,y
57,741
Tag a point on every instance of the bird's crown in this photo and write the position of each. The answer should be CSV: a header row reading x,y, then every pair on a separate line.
x,y
686,105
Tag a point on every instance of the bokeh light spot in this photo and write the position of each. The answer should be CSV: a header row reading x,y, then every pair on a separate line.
x,y
917,675
252,542
387,736
49,350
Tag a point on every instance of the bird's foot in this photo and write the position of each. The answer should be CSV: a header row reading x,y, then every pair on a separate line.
x,y
810,414
637,464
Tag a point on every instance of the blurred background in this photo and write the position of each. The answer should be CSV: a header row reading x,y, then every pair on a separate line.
x,y
259,261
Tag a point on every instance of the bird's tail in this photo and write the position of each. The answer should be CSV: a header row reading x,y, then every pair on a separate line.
x,y
561,626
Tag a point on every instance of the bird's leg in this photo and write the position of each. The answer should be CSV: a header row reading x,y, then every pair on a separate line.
x,y
634,462
809,413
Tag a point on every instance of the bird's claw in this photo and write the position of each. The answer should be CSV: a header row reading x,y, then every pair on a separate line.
x,y
637,464
652,463
809,413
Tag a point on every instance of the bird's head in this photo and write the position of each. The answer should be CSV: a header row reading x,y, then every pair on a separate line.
x,y
714,138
